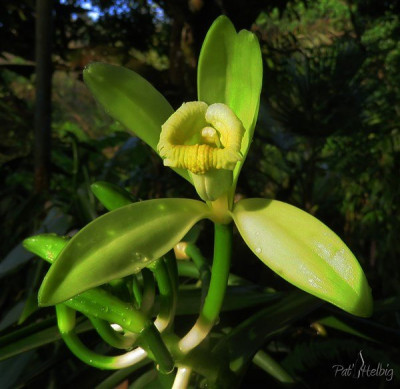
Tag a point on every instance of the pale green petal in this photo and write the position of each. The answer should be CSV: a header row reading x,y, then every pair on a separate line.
x,y
130,99
304,252
119,243
230,72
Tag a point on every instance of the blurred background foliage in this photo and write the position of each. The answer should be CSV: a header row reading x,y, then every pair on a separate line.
x,y
327,138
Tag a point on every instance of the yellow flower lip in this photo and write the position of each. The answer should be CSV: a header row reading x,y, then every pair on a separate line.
x,y
199,138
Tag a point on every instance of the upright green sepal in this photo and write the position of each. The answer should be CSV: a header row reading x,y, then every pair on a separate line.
x,y
230,72
130,99
119,243
305,252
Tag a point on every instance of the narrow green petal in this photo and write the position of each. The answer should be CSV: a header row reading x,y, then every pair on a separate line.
x,y
304,252
215,56
131,100
230,72
117,244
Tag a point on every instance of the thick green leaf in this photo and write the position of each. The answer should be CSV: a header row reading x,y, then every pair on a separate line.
x,y
230,72
131,100
304,252
119,243
110,195
46,246
33,336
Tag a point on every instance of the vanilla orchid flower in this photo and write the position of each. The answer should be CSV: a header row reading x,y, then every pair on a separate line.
x,y
206,142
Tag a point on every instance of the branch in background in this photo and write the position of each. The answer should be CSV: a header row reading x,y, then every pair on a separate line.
x,y
43,94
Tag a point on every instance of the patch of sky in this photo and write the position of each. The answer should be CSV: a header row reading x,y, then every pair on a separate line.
x,y
119,7
94,11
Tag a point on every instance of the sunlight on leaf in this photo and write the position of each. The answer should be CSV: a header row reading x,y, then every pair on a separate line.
x,y
304,252
119,243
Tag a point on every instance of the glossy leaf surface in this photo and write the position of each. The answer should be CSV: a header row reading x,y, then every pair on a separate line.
x,y
304,252
119,243
131,100
230,72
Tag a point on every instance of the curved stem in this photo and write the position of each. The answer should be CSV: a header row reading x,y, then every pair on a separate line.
x,y
172,268
182,378
110,336
188,269
149,292
167,299
216,292
193,252
99,303
137,292
66,324
158,348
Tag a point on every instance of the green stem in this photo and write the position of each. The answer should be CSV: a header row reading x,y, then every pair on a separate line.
x,y
149,292
110,336
167,300
188,269
163,357
182,378
99,303
66,324
194,253
216,292
172,268
137,293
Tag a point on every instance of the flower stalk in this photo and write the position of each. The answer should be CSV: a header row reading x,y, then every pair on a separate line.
x,y
216,292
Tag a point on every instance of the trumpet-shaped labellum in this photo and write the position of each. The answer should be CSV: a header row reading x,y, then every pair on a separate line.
x,y
206,141
230,72
119,243
131,100
304,252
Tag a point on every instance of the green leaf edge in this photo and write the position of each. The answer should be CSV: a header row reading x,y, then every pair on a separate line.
x,y
366,308
46,293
